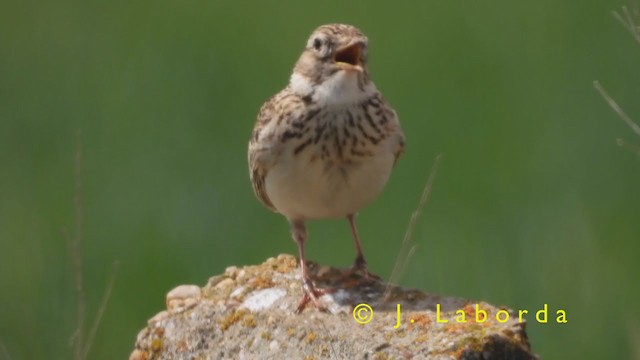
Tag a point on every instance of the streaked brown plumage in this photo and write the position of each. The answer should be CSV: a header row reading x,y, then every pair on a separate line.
x,y
324,146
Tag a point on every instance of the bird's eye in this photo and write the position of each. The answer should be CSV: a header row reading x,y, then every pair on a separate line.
x,y
317,43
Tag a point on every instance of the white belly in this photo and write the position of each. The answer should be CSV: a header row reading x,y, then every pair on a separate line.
x,y
303,189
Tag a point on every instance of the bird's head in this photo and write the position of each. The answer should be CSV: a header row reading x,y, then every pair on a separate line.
x,y
334,61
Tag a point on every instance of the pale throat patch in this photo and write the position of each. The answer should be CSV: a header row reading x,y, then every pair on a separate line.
x,y
340,88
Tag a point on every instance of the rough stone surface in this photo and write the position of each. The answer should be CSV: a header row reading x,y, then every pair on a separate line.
x,y
248,313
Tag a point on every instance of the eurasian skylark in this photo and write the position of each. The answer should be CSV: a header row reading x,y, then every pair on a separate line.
x,y
324,146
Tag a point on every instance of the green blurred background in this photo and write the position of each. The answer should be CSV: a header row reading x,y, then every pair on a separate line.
x,y
534,202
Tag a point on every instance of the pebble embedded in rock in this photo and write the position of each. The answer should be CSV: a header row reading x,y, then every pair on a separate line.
x,y
182,296
263,299
274,346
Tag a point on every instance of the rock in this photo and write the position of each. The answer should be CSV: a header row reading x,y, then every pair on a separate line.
x,y
183,296
248,313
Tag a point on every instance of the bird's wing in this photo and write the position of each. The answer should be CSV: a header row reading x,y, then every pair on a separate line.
x,y
393,127
265,146
400,148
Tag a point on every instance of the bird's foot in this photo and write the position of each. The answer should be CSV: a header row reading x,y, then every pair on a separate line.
x,y
312,295
360,267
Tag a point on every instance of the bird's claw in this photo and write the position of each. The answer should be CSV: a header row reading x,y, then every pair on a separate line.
x,y
360,267
312,295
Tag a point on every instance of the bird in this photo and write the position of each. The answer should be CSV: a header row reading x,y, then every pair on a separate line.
x,y
324,146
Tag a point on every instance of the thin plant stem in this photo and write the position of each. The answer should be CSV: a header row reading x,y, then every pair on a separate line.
x,y
614,105
77,249
408,248
4,354
101,309
626,19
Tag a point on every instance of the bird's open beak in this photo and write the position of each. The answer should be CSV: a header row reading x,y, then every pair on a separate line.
x,y
349,57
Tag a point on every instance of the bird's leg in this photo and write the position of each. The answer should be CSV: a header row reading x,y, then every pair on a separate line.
x,y
311,294
360,264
